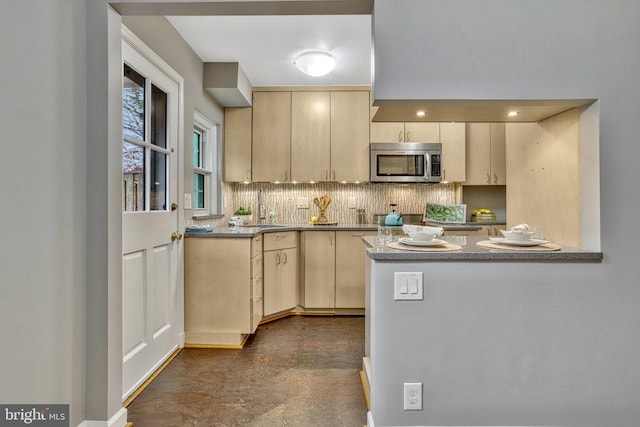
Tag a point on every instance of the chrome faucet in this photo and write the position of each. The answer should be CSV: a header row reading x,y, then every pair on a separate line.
x,y
261,215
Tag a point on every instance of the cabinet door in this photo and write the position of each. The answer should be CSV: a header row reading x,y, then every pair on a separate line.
x,y
387,132
421,132
498,154
310,136
478,153
271,149
290,294
453,137
319,269
350,264
272,282
350,136
237,144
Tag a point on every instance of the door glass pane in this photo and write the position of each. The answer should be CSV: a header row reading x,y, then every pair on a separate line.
x,y
158,184
198,191
133,176
197,149
132,103
158,117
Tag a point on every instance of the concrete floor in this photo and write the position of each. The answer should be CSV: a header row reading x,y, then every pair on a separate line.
x,y
297,371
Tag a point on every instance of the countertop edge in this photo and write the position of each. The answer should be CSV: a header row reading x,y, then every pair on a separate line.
x,y
473,252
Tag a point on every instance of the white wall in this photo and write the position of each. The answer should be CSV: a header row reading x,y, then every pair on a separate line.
x,y
42,188
542,49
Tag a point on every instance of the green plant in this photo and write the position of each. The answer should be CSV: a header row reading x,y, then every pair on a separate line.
x,y
242,211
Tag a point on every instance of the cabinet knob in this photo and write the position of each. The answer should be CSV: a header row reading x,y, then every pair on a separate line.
x,y
495,178
400,136
488,179
408,136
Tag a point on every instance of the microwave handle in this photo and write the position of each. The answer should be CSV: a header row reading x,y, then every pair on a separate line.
x,y
427,165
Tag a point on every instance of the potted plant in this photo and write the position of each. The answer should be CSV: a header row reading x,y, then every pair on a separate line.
x,y
243,214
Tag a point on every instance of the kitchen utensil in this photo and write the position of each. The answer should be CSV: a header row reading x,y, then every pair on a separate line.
x,y
393,218
322,203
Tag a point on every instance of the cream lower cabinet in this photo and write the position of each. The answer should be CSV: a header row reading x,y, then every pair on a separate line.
x,y
223,289
280,272
319,263
333,263
350,262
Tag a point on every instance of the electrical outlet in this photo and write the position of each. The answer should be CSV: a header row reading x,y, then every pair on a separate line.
x,y
302,203
413,396
352,202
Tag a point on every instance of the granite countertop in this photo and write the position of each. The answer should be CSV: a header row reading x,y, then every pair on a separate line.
x,y
250,231
471,251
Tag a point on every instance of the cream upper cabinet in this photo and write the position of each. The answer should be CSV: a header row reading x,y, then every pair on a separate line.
x,y
319,269
237,144
452,137
271,153
310,136
350,136
486,154
405,132
350,261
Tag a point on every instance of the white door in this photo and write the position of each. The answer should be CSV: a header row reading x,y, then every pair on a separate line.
x,y
150,248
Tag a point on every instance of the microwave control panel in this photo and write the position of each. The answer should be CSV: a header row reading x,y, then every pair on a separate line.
x,y
435,165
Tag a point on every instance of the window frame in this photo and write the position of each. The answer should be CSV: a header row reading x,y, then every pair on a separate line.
x,y
209,166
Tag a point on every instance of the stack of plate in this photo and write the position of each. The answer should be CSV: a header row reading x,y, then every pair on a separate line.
x,y
409,241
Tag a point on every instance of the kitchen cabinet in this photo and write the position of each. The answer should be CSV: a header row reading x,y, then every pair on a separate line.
x,y
350,136
452,138
405,132
350,264
486,154
229,267
237,144
319,261
310,136
271,148
280,272
330,136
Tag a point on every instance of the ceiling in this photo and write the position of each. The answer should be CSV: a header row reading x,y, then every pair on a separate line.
x,y
266,46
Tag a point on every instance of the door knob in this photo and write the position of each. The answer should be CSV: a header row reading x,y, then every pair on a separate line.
x,y
176,236
174,206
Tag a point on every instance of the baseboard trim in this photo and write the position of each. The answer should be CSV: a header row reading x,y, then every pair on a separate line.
x,y
223,346
144,385
119,419
365,389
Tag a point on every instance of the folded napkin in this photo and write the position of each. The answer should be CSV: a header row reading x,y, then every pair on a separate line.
x,y
521,228
409,228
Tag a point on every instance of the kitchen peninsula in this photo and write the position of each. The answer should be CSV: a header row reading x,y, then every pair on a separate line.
x,y
485,333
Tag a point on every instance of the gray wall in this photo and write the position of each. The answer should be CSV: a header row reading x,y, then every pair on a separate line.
x,y
542,49
42,256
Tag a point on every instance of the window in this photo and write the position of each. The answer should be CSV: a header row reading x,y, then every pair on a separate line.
x,y
206,183
145,155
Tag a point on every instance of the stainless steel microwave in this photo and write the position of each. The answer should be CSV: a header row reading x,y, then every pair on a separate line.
x,y
405,162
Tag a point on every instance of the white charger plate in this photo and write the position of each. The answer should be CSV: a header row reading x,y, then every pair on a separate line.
x,y
409,241
531,242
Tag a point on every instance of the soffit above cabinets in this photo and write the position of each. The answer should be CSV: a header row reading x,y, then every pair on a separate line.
x,y
473,110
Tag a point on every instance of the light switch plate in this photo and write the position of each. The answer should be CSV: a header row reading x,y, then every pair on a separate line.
x,y
407,286
187,200
352,202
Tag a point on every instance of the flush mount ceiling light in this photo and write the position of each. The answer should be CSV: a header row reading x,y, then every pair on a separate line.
x,y
512,113
315,64
421,113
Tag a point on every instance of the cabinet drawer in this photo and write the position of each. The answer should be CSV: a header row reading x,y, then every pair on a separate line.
x,y
283,240
256,266
256,245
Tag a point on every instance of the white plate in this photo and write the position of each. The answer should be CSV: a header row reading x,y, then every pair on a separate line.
x,y
411,242
532,242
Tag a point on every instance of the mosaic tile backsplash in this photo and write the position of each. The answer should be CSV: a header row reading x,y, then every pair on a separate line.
x,y
373,198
